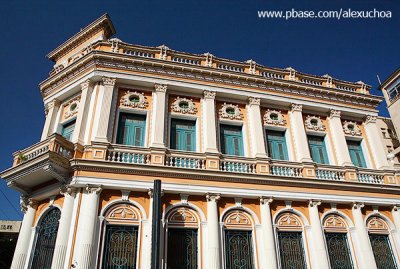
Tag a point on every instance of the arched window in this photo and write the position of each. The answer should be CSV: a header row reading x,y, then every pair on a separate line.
x,y
336,236
46,239
379,236
120,239
182,230
290,241
238,234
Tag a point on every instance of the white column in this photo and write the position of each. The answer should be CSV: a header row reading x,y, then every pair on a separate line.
x,y
320,257
147,227
299,134
209,123
257,140
29,206
157,138
377,147
81,118
63,233
51,115
213,251
366,259
104,105
339,139
269,256
396,220
85,238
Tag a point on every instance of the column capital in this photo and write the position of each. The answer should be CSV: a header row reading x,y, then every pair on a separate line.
x,y
396,208
296,107
370,119
209,94
67,190
254,101
93,189
357,205
125,195
86,84
334,113
266,200
160,87
314,203
151,193
107,81
212,197
26,202
53,103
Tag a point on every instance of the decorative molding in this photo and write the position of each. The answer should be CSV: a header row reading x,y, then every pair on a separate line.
x,y
274,117
183,216
329,82
209,94
160,87
108,81
238,202
334,221
288,220
292,73
125,195
237,218
151,193
123,212
209,59
377,224
334,113
252,66
370,119
351,128
93,189
314,203
230,111
184,198
288,205
86,84
212,197
52,199
183,105
266,200
71,107
26,202
358,205
134,100
314,123
67,190
296,107
254,101
163,52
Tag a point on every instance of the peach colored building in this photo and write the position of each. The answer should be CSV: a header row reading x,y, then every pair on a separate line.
x,y
260,167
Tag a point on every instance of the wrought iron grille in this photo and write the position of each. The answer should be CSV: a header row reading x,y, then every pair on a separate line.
x,y
291,250
182,248
338,250
382,251
46,239
238,249
120,247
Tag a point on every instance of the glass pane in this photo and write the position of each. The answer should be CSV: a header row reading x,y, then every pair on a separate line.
x,y
68,130
120,245
231,140
291,250
318,149
182,249
382,251
138,136
276,142
183,135
238,249
356,153
338,250
46,240
131,129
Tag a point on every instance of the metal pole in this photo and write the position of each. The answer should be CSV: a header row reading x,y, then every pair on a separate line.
x,y
156,226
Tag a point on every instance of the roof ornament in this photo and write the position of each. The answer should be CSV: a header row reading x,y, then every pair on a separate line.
x,y
163,51
292,73
328,80
209,59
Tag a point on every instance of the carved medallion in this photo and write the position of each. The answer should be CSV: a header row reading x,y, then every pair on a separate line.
x,y
237,218
274,117
71,107
351,128
184,105
230,111
134,100
314,123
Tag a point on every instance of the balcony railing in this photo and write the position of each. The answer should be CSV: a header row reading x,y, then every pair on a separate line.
x,y
55,143
367,176
286,169
237,165
123,154
326,172
184,160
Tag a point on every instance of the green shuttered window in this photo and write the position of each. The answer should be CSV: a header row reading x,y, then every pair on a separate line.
x,y
318,149
356,153
131,129
231,140
277,148
68,130
183,135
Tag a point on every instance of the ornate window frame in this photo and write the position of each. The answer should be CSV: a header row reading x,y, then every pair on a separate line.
x,y
107,219
351,128
70,109
229,111
181,116
191,108
170,219
279,119
314,124
126,102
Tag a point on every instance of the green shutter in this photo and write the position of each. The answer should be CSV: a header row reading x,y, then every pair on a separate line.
x,y
356,153
68,130
318,149
131,129
276,142
231,140
183,135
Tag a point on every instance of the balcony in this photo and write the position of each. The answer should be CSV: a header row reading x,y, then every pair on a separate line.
x,y
43,162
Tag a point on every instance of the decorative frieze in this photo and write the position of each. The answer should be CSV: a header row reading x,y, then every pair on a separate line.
x,y
160,87
334,113
134,100
334,221
254,101
108,81
93,189
288,221
314,123
237,218
230,111
26,202
209,94
212,197
274,117
351,128
123,212
370,119
184,105
71,107
183,216
296,107
376,224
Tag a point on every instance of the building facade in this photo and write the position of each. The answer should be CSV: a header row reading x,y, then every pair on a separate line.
x,y
9,231
260,167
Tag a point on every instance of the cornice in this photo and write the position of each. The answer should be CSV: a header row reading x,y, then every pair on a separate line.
x,y
208,175
100,59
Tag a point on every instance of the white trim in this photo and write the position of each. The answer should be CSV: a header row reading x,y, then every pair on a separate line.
x,y
243,208
179,116
90,114
241,192
366,153
72,230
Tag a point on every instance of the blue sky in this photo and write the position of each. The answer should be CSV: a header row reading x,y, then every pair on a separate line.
x,y
352,49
